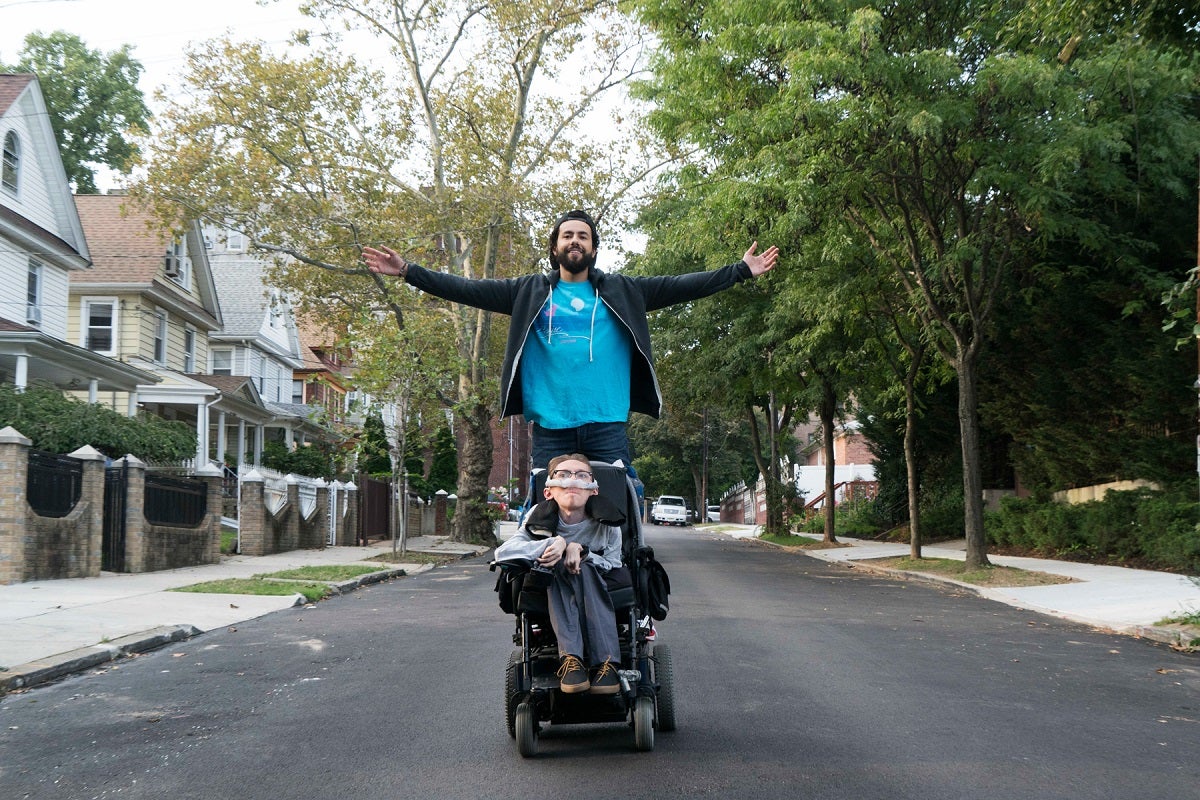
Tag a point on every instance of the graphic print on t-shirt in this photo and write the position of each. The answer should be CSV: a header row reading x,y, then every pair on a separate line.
x,y
566,319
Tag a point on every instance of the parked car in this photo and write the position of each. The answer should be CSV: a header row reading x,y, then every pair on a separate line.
x,y
669,510
713,514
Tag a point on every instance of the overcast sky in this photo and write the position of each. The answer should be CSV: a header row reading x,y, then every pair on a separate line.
x,y
158,30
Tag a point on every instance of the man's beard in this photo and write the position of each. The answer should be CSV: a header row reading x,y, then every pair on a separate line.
x,y
563,261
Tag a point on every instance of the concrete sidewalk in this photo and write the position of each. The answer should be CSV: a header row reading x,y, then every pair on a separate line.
x,y
53,628
1127,601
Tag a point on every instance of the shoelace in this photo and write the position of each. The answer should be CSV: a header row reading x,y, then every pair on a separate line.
x,y
605,669
569,663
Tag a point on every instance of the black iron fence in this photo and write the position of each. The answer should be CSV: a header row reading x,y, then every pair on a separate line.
x,y
53,483
175,501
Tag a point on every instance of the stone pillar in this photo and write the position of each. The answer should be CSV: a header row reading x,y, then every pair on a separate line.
x,y
14,471
441,524
252,515
91,500
137,548
214,479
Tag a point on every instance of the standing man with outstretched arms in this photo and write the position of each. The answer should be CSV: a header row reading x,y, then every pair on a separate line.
x,y
578,358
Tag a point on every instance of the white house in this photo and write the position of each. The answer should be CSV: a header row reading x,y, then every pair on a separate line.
x,y
41,244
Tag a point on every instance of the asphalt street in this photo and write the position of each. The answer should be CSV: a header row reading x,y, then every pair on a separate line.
x,y
794,678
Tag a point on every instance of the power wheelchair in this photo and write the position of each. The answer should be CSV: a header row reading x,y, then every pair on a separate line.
x,y
646,700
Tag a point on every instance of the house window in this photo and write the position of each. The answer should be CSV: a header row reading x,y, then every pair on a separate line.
x,y
222,361
297,391
262,374
33,294
177,265
277,379
100,326
235,242
189,350
160,337
10,173
276,308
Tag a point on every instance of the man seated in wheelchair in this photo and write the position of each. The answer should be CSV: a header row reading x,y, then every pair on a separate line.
x,y
573,541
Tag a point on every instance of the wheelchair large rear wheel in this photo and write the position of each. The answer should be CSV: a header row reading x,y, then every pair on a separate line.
x,y
664,676
526,724
643,723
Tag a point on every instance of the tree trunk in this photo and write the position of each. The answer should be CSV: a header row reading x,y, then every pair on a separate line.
x,y
776,523
472,524
910,458
826,411
968,422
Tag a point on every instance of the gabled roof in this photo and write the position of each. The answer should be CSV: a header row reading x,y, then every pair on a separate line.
x,y
11,87
232,385
246,306
43,218
128,246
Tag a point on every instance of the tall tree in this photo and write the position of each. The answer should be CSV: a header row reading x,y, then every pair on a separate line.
x,y
952,143
96,108
456,148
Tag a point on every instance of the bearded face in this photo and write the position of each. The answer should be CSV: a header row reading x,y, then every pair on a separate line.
x,y
574,249
574,258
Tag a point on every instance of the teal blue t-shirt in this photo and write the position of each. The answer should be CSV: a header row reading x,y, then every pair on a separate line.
x,y
576,362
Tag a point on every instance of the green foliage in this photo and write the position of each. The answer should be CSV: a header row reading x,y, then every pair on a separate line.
x,y
1154,528
373,449
313,461
94,102
60,424
443,470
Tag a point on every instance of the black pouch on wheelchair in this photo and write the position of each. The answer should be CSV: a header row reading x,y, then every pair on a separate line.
x,y
654,587
508,586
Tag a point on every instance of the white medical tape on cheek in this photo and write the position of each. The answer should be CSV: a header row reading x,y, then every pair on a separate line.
x,y
571,483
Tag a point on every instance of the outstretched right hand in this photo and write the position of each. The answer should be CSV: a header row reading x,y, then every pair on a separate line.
x,y
385,261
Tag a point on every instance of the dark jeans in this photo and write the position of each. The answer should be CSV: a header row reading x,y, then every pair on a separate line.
x,y
599,441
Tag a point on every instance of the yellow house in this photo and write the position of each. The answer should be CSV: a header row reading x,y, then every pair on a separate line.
x,y
150,301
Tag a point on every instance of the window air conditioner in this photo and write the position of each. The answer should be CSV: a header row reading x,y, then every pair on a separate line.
x,y
33,314
171,264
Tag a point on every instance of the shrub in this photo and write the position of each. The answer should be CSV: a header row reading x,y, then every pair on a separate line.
x,y
1144,526
61,424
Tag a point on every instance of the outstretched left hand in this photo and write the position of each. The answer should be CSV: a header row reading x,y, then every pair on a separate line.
x,y
762,262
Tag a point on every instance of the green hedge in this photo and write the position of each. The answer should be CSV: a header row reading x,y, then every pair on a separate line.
x,y
1146,527
60,424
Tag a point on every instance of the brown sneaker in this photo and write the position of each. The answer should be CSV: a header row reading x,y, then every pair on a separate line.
x,y
605,679
572,676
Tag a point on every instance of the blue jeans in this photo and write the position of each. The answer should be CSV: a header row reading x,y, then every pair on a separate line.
x,y
599,441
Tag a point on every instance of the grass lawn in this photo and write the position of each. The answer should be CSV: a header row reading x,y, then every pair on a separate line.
x,y
257,586
415,558
987,576
322,572
806,542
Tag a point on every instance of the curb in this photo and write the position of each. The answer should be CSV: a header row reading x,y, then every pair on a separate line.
x,y
62,664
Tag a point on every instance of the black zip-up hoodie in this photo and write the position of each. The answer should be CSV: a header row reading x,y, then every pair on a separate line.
x,y
628,299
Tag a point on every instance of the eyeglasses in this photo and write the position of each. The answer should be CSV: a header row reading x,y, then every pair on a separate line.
x,y
564,474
